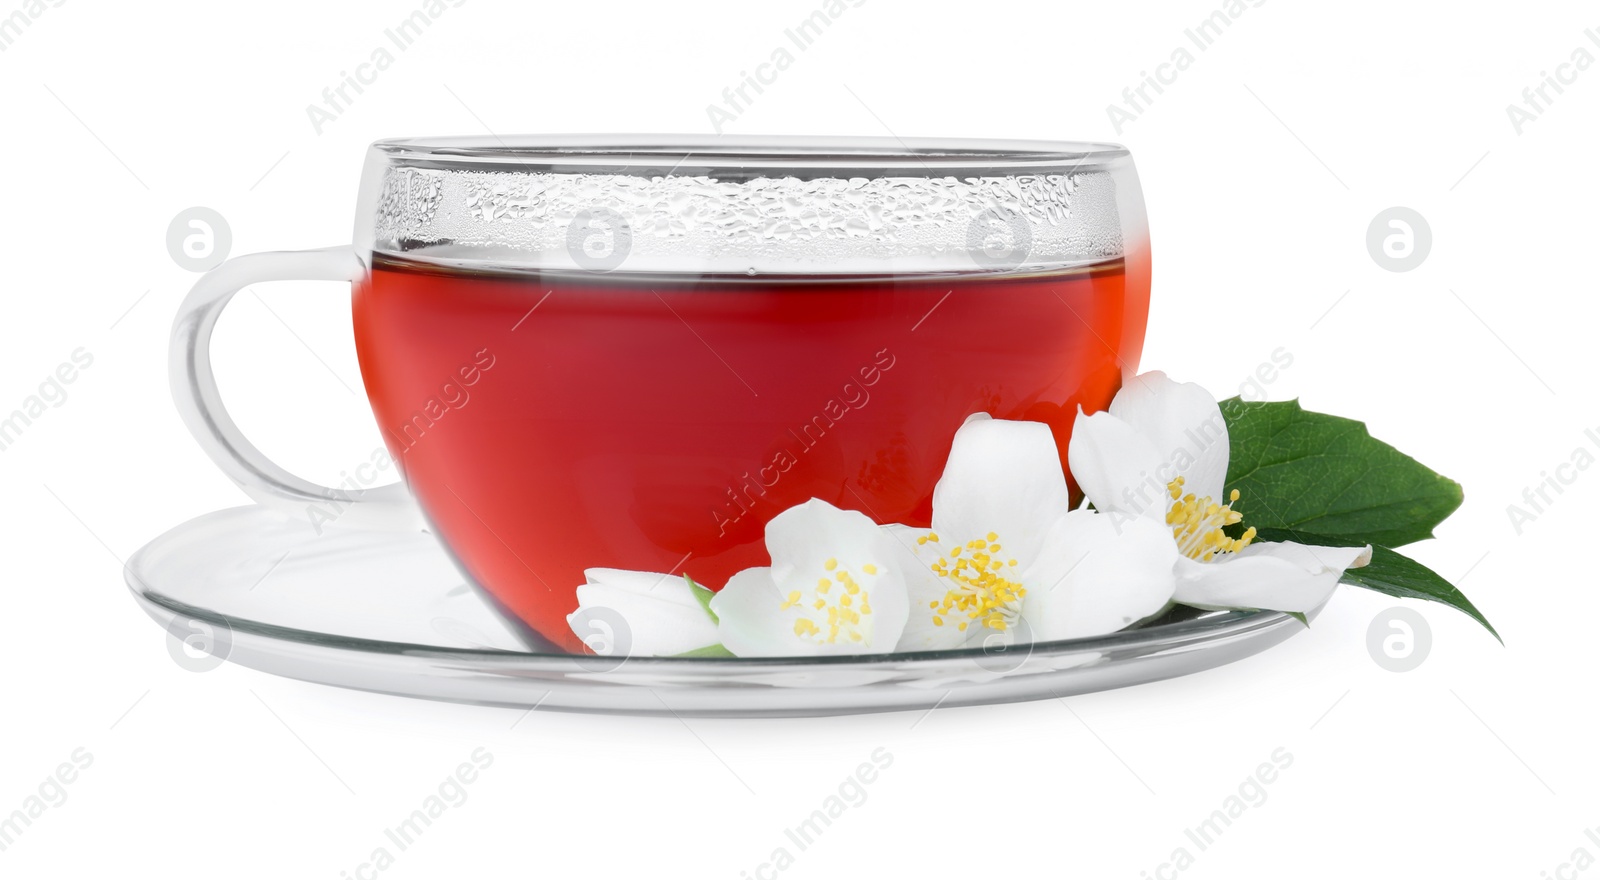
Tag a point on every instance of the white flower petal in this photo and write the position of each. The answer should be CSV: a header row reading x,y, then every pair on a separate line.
x,y
660,613
749,622
922,587
661,587
804,537
1003,477
1277,576
838,559
1099,573
1183,423
1117,467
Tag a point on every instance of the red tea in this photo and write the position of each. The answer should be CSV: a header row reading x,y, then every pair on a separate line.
x,y
550,424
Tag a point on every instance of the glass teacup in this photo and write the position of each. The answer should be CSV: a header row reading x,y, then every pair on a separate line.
x,y
630,353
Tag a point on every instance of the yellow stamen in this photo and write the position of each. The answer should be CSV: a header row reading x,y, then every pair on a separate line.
x,y
983,585
1198,523
824,616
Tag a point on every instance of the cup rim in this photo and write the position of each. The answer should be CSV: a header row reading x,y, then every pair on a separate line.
x,y
751,155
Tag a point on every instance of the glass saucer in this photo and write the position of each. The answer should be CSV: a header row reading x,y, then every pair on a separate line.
x,y
389,612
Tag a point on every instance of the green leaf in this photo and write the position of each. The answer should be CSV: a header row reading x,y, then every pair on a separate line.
x,y
703,596
1326,475
708,651
1392,574
1395,575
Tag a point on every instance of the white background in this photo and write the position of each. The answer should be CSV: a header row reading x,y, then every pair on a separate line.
x,y
1262,166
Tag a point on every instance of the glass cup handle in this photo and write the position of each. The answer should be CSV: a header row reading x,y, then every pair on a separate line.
x,y
194,389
